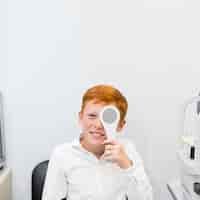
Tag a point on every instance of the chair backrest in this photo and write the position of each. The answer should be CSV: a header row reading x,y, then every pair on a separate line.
x,y
38,179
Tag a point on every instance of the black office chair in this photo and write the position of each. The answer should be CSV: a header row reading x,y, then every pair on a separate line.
x,y
38,179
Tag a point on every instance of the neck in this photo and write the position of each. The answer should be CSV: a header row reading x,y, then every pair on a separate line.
x,y
96,150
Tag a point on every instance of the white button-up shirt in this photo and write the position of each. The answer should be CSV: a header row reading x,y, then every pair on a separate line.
x,y
76,174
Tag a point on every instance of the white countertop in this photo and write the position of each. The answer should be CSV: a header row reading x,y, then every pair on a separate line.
x,y
5,184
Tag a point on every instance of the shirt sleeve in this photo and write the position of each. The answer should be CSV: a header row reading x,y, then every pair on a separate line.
x,y
139,186
55,187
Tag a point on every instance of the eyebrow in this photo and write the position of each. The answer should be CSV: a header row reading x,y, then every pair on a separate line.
x,y
93,114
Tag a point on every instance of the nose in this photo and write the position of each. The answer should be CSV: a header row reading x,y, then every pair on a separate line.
x,y
98,124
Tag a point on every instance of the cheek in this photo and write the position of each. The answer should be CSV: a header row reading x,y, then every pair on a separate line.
x,y
86,124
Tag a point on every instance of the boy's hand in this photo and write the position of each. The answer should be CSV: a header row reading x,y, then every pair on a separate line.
x,y
115,152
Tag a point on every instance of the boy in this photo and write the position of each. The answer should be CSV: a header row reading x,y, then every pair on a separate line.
x,y
94,167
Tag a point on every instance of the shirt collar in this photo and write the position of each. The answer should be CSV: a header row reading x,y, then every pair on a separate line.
x,y
77,145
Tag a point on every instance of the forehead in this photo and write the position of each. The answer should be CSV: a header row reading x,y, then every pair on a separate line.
x,y
92,106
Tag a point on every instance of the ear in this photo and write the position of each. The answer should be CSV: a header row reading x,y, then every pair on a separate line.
x,y
80,116
121,126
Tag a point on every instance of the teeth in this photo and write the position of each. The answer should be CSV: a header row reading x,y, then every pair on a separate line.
x,y
96,133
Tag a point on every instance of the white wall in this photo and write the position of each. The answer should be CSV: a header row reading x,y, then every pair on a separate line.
x,y
42,92
150,49
151,54
3,41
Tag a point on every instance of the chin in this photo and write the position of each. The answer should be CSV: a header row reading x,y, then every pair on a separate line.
x,y
97,142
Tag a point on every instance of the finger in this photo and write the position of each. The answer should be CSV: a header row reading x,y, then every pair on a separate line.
x,y
110,141
109,147
108,157
113,148
107,141
108,152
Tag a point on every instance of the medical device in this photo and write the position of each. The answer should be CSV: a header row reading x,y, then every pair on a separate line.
x,y
109,117
189,149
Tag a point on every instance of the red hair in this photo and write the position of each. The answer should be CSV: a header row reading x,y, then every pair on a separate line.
x,y
106,94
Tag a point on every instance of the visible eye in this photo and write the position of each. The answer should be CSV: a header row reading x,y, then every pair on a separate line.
x,y
92,116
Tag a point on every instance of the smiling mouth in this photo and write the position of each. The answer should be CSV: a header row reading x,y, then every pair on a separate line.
x,y
97,133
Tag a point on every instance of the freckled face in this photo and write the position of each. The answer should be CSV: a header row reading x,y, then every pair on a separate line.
x,y
92,127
